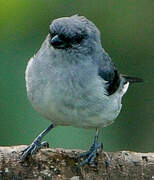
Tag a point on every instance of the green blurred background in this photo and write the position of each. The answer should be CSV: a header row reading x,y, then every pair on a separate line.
x,y
126,28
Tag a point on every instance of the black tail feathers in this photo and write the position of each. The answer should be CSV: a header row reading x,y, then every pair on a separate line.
x,y
132,79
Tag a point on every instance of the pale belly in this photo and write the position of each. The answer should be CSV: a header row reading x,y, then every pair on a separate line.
x,y
65,100
65,107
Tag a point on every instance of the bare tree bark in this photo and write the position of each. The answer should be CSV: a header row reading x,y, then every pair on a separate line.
x,y
60,164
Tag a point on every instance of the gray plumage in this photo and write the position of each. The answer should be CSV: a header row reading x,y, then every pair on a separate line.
x,y
68,85
72,81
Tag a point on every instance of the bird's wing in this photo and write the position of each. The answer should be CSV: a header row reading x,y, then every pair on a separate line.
x,y
109,73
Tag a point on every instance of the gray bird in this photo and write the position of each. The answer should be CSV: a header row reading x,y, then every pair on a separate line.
x,y
72,81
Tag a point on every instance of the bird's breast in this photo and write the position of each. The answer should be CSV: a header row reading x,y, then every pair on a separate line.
x,y
67,97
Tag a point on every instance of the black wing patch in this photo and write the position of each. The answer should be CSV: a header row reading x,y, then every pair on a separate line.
x,y
110,74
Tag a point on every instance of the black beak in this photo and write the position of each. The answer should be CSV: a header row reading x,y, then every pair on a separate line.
x,y
56,42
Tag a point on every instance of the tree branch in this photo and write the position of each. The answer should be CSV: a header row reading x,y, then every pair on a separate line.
x,y
60,164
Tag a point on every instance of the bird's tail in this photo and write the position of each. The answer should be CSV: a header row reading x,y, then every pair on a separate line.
x,y
132,79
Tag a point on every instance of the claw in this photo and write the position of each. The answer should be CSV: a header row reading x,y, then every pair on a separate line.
x,y
45,144
33,148
90,155
36,144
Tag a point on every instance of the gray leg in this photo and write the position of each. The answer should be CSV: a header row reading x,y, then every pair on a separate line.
x,y
36,144
92,153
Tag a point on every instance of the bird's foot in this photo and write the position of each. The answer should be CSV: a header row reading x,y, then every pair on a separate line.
x,y
91,154
33,148
36,144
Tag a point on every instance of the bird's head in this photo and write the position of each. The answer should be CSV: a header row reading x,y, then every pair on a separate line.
x,y
75,33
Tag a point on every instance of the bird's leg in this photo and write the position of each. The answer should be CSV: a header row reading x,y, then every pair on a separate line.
x,y
36,144
93,151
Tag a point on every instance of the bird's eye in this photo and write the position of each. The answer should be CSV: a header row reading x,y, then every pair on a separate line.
x,y
73,40
77,39
64,38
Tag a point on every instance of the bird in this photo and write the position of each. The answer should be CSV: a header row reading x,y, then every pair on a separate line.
x,y
72,81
